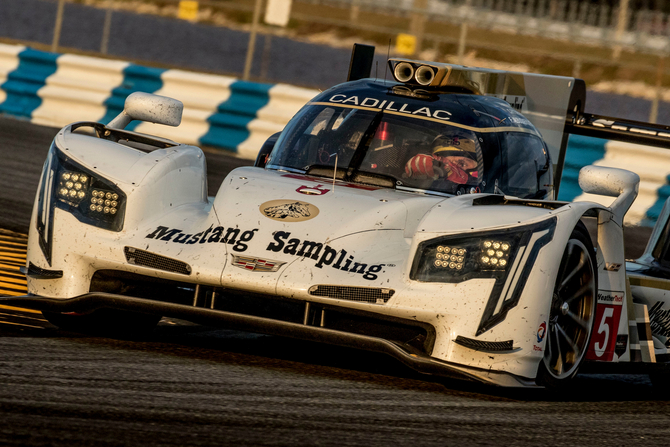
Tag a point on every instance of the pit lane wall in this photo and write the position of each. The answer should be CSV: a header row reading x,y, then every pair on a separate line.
x,y
223,112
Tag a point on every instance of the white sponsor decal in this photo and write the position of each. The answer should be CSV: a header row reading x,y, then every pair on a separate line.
x,y
391,106
608,297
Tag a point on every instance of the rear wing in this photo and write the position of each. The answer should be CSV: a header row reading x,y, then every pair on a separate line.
x,y
554,104
629,131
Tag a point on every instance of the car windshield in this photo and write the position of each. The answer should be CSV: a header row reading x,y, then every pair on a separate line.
x,y
405,151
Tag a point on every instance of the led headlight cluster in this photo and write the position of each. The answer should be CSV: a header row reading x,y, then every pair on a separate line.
x,y
69,187
104,202
495,254
72,186
457,258
89,197
75,187
450,257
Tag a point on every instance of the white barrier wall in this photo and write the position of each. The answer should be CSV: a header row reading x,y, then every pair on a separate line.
x,y
201,95
78,90
285,101
56,90
9,61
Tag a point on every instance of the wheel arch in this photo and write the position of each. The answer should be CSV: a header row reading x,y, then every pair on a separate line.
x,y
566,343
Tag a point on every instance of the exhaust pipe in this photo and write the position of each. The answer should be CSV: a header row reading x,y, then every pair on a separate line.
x,y
403,72
424,75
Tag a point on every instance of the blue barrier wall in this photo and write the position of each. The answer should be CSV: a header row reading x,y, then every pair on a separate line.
x,y
582,151
663,193
229,126
23,83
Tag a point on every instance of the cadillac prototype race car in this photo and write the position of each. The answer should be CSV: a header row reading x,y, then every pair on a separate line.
x,y
415,217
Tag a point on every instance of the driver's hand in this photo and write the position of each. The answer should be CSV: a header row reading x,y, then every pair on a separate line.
x,y
423,167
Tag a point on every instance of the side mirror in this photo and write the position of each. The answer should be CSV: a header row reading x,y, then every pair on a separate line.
x,y
151,108
611,182
605,181
264,153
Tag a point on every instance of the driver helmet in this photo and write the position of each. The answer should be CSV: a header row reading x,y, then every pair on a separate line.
x,y
454,145
458,152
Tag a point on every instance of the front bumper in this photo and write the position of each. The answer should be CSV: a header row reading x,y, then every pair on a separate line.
x,y
249,323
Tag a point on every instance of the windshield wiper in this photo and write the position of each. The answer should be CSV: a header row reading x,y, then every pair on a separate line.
x,y
352,173
325,171
364,177
374,179
364,144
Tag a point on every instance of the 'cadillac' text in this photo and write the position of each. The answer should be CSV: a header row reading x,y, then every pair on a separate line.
x,y
391,106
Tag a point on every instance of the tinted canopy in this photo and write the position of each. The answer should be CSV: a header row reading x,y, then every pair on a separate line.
x,y
386,134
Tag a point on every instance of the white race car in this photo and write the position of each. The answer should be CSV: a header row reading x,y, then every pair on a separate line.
x,y
415,217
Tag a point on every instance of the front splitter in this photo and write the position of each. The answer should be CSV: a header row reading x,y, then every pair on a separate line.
x,y
247,323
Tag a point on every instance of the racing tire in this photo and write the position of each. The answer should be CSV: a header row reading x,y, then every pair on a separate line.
x,y
107,322
573,309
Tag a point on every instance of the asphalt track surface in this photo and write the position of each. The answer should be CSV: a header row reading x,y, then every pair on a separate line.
x,y
193,385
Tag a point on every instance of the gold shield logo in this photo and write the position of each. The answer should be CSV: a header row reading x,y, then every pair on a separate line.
x,y
289,210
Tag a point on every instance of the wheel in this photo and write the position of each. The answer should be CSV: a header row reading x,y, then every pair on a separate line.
x,y
107,322
573,309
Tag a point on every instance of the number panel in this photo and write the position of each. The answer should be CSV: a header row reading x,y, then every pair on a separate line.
x,y
606,327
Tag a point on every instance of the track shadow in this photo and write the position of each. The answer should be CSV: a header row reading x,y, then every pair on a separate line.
x,y
182,339
201,343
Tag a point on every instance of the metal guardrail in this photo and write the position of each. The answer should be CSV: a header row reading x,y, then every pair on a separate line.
x,y
596,24
642,30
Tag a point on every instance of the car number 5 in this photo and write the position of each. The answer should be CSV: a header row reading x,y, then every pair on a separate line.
x,y
604,327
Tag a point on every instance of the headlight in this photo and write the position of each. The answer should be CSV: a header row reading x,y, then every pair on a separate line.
x,y
77,190
86,195
456,259
502,255
89,197
490,255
